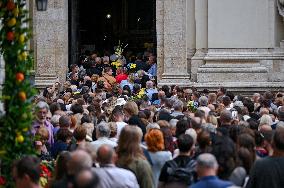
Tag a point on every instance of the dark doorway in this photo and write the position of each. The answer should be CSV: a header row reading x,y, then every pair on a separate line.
x,y
98,25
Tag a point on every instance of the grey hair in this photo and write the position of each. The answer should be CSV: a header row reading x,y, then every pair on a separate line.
x,y
41,105
152,126
191,132
203,101
103,129
207,160
173,123
149,84
178,105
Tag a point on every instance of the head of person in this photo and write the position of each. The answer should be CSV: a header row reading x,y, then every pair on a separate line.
x,y
206,165
203,101
221,91
265,120
42,109
113,129
128,147
281,113
130,109
181,126
64,135
151,60
191,132
79,160
74,68
173,124
108,71
212,98
204,139
149,84
65,121
86,178
185,143
26,172
155,140
106,155
278,140
102,130
225,117
61,164
42,135
74,76
77,108
98,60
178,105
55,120
80,133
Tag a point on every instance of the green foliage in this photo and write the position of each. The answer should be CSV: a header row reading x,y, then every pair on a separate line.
x,y
17,90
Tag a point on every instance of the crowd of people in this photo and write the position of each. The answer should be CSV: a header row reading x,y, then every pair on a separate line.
x,y
121,130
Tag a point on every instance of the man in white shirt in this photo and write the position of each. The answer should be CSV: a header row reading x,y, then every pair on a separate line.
x,y
102,134
118,118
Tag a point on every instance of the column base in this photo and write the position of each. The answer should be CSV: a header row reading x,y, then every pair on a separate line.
x,y
170,79
43,81
243,88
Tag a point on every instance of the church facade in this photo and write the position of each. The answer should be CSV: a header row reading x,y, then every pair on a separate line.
x,y
238,44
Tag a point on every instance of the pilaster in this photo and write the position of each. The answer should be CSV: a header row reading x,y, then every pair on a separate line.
x,y
175,66
51,43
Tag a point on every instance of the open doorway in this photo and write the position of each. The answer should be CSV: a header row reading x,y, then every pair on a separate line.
x,y
97,25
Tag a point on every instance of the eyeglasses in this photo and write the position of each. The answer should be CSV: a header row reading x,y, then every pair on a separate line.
x,y
48,118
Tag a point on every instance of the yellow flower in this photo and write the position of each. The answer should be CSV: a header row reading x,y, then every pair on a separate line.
x,y
132,66
12,22
43,181
20,138
24,55
22,38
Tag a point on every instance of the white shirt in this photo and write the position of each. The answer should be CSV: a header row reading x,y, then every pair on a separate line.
x,y
120,126
112,176
103,140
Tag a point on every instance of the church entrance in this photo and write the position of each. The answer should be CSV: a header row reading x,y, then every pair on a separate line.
x,y
96,25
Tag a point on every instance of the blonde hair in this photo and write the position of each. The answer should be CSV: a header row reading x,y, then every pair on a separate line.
x,y
131,108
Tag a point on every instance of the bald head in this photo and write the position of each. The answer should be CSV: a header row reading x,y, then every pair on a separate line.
x,y
80,160
86,179
105,155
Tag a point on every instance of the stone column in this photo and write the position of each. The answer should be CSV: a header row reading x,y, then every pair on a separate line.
x,y
174,59
201,18
160,37
50,30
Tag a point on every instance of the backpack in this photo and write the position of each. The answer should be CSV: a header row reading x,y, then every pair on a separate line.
x,y
185,175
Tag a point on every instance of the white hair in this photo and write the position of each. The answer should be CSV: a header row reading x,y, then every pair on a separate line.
x,y
191,132
41,105
207,160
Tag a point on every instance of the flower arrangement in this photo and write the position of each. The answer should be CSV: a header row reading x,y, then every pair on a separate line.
x,y
17,91
47,167
131,67
119,49
116,64
192,106
140,95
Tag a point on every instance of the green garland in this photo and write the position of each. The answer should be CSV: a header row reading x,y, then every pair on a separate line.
x,y
17,91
